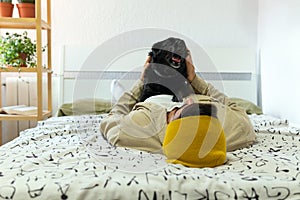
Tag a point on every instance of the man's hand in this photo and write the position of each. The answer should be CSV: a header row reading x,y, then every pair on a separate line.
x,y
190,69
145,67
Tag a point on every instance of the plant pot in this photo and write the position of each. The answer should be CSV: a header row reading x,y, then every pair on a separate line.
x,y
23,57
26,10
6,9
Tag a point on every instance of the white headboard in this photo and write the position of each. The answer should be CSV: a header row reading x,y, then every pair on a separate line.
x,y
231,70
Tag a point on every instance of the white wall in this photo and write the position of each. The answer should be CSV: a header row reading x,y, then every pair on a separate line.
x,y
279,41
209,23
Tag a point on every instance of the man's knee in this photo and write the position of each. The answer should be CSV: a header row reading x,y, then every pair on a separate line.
x,y
109,123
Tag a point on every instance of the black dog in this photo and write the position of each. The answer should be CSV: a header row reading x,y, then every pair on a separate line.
x,y
166,73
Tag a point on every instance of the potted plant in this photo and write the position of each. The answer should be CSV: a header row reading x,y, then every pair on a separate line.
x,y
26,8
6,8
17,50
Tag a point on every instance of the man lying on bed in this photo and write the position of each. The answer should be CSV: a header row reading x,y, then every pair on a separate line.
x,y
196,132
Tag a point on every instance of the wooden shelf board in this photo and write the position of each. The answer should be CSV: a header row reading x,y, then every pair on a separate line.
x,y
21,69
46,114
21,23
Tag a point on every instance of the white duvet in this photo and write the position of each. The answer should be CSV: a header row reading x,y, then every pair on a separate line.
x,y
67,158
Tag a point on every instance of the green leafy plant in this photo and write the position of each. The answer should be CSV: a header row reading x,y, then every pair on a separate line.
x,y
26,1
6,1
17,50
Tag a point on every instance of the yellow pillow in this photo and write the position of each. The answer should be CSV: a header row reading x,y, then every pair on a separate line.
x,y
196,141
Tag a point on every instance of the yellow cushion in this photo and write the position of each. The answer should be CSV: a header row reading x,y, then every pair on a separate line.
x,y
196,141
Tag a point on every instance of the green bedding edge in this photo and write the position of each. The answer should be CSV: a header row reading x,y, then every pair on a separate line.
x,y
99,106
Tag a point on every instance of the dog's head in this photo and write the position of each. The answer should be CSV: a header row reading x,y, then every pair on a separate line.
x,y
166,73
168,58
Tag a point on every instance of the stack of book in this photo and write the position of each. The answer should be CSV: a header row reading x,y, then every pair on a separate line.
x,y
19,110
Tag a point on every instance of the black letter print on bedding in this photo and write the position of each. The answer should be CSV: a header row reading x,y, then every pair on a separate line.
x,y
33,193
7,192
63,193
283,194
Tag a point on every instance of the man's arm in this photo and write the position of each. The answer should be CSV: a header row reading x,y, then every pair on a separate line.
x,y
200,86
127,101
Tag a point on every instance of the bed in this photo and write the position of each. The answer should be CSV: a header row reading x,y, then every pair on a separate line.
x,y
67,158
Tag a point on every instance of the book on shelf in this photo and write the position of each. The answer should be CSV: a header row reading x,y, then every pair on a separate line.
x,y
19,110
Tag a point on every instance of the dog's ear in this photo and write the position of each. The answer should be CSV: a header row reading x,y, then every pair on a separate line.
x,y
150,54
154,54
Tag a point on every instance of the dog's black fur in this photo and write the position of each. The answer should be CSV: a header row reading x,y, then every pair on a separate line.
x,y
166,73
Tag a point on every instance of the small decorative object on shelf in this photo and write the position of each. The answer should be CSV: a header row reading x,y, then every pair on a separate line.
x,y
17,50
26,8
19,110
6,8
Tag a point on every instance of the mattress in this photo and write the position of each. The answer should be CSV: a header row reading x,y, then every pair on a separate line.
x,y
67,158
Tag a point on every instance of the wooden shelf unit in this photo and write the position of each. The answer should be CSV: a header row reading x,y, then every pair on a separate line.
x,y
46,114
23,70
39,25
22,23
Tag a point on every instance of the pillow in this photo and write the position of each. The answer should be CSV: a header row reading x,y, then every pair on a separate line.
x,y
249,107
65,110
85,106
